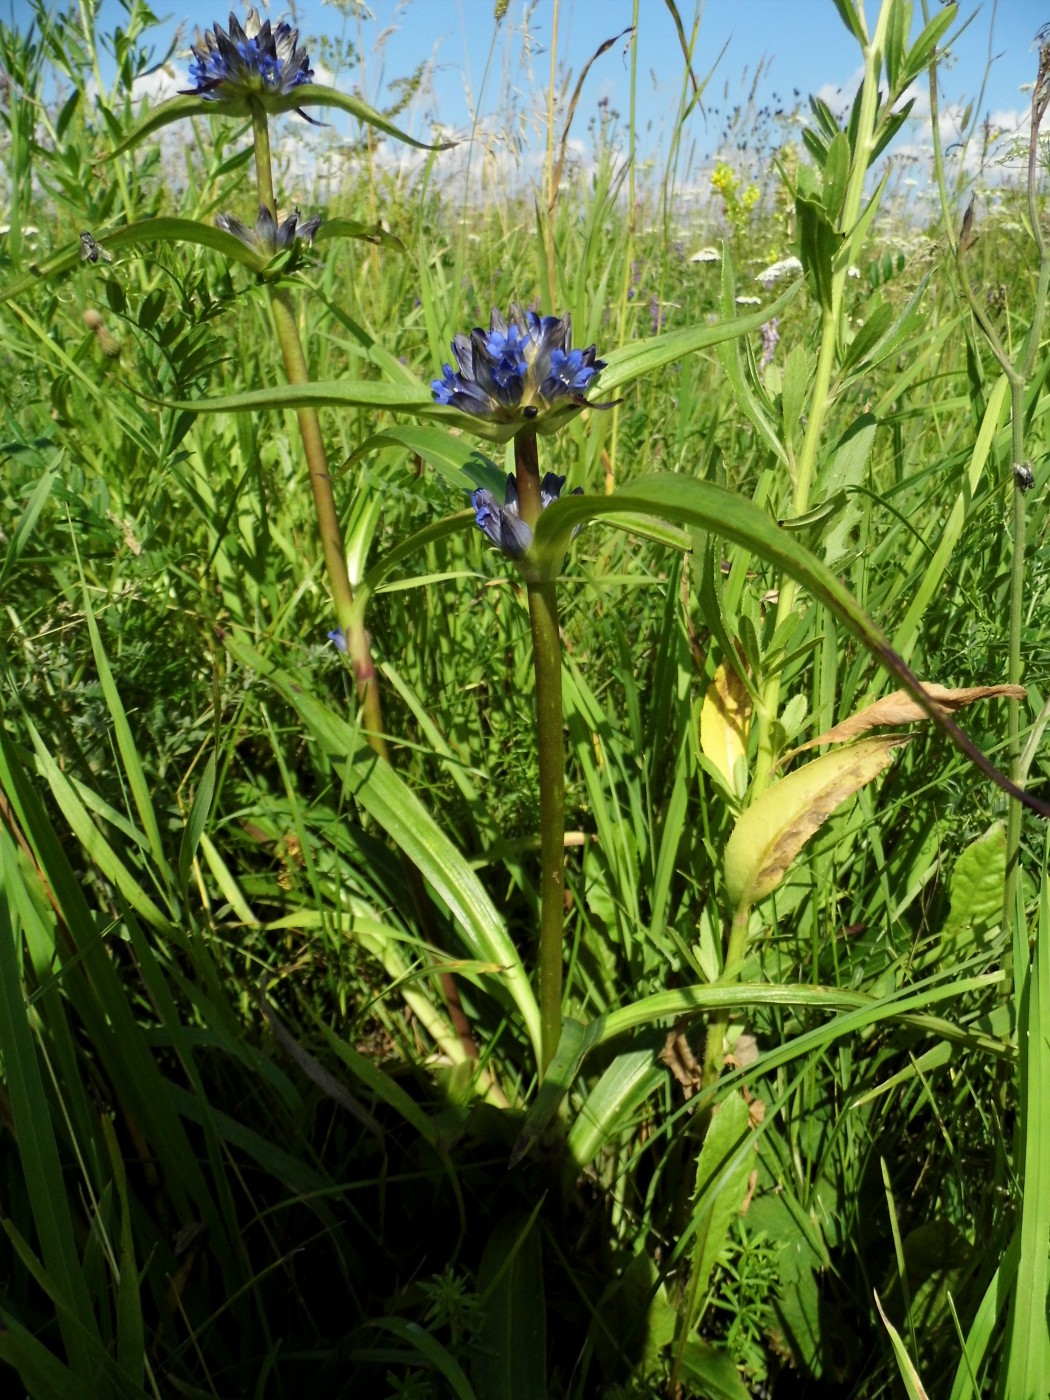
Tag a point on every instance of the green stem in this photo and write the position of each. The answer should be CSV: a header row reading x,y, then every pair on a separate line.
x,y
550,747
718,1025
550,744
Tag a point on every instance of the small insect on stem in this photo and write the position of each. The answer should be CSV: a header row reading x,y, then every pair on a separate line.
x,y
1024,475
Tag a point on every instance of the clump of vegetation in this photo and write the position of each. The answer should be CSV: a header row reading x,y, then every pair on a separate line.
x,y
577,956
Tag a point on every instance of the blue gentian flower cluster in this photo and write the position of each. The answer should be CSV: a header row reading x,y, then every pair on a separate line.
x,y
519,372
251,60
503,525
269,236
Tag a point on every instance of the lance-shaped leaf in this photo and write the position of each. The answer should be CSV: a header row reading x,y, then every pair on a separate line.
x,y
354,228
146,231
773,830
350,393
304,95
705,506
630,362
902,708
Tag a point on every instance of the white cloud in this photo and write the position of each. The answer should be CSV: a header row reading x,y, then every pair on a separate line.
x,y
158,85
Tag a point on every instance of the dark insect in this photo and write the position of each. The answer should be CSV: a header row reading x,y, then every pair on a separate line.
x,y
90,251
1024,476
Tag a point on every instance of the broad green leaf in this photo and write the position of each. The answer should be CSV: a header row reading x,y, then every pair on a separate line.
x,y
722,1173
732,361
836,176
920,53
712,1371
131,1348
509,1355
35,1141
793,390
166,230
195,823
348,393
455,457
306,95
130,757
933,573
613,1103
26,522
845,472
977,882
354,228
896,39
772,831
39,1370
856,236
851,19
574,1042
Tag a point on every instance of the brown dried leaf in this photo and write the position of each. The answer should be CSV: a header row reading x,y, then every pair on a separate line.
x,y
680,1060
901,708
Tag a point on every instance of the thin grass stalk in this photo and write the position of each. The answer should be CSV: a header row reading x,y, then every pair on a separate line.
x,y
351,619
548,167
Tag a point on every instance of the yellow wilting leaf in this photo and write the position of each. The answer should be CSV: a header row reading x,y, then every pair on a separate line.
x,y
725,722
900,708
773,830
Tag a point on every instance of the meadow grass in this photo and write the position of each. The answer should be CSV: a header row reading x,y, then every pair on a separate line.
x,y
282,1109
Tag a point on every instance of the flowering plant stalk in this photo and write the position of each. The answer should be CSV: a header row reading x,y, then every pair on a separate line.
x,y
523,377
258,67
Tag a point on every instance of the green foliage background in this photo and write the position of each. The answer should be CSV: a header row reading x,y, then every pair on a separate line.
x,y
244,1150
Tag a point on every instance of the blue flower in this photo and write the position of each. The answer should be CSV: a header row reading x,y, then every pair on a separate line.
x,y
269,236
520,372
338,640
502,524
249,61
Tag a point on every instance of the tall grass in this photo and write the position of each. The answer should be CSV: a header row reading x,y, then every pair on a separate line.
x,y
276,1126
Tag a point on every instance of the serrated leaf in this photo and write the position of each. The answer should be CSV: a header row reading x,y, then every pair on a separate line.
x,y
725,723
773,830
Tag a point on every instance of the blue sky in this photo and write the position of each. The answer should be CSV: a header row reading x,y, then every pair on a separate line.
x,y
794,45
803,44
